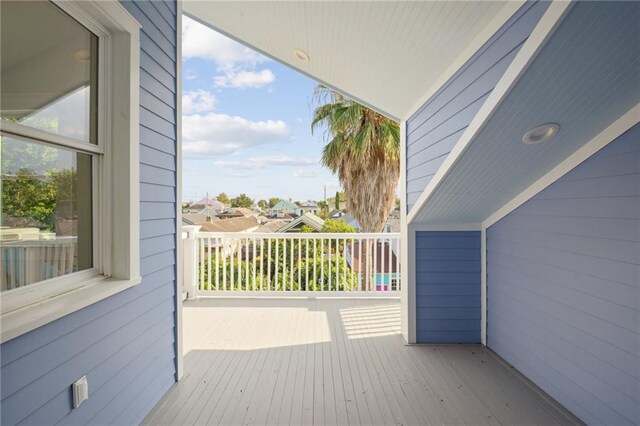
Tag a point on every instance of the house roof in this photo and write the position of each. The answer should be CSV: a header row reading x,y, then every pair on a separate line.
x,y
424,42
245,212
217,205
236,224
309,204
197,218
383,251
308,218
285,205
272,226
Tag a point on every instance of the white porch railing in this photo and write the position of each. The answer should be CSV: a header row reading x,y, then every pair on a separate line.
x,y
23,262
300,264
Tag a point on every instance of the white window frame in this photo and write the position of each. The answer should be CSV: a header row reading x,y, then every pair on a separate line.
x,y
115,170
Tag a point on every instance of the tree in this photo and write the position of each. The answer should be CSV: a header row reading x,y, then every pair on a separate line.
x,y
223,198
363,149
337,200
273,201
263,204
242,200
335,226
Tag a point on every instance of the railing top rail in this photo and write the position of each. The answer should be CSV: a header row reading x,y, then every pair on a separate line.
x,y
297,235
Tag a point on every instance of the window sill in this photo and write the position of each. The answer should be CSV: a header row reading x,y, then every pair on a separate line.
x,y
28,318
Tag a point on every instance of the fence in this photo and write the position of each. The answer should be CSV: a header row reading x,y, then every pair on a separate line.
x,y
290,264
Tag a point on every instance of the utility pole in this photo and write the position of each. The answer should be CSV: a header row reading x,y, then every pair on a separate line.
x,y
326,207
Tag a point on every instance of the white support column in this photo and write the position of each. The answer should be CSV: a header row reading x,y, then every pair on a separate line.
x,y
407,251
190,261
483,286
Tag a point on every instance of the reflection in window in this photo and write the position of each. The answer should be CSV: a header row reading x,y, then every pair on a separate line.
x,y
48,70
46,225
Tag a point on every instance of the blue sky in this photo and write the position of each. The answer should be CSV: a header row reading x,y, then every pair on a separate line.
x,y
246,123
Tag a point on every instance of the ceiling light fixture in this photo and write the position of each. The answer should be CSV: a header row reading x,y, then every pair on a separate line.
x,y
301,55
542,133
82,55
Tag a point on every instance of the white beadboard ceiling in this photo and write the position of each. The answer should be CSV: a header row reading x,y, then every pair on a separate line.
x,y
388,55
585,78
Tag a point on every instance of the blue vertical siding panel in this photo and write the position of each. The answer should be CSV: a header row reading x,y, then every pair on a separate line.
x,y
448,287
563,286
124,344
436,127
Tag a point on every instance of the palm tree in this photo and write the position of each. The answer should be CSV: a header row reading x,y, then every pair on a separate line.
x,y
363,149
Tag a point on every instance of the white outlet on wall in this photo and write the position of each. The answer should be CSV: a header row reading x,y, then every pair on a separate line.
x,y
80,391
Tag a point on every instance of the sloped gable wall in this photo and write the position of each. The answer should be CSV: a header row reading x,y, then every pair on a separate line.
x,y
563,286
124,344
436,127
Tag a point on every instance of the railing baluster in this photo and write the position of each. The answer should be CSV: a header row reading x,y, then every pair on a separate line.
x,y
398,265
361,280
201,257
299,265
344,264
306,265
224,262
253,261
375,263
329,265
322,264
337,264
261,263
217,243
231,256
315,264
269,264
284,256
291,272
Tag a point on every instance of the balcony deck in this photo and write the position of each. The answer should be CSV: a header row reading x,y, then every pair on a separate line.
x,y
336,361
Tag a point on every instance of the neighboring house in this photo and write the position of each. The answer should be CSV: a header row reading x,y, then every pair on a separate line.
x,y
238,212
284,207
308,219
236,224
271,226
307,207
384,272
197,218
204,204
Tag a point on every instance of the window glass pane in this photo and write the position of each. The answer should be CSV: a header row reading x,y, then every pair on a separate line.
x,y
45,229
49,70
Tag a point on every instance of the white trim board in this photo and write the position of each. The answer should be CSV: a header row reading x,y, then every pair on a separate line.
x,y
549,22
407,317
179,264
608,135
476,44
457,227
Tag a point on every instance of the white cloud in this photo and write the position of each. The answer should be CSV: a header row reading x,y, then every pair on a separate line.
x,y
245,79
190,75
196,101
305,173
220,134
267,161
235,62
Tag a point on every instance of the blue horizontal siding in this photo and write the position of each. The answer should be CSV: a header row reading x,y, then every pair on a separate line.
x,y
125,344
448,287
436,127
563,286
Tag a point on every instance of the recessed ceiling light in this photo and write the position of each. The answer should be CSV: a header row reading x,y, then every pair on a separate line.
x,y
541,133
82,55
301,55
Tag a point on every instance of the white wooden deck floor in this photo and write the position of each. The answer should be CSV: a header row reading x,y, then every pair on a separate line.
x,y
335,361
